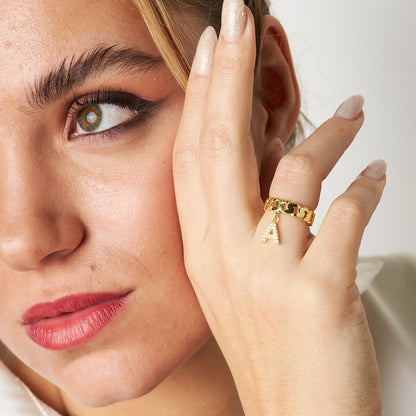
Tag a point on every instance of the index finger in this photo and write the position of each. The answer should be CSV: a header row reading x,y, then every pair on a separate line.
x,y
190,195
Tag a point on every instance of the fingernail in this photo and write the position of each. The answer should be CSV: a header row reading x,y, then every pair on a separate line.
x,y
204,55
277,143
233,19
351,108
375,170
275,149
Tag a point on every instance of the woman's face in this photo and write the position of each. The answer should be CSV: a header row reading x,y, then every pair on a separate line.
x,y
88,115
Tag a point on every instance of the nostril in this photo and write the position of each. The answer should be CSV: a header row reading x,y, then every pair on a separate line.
x,y
59,254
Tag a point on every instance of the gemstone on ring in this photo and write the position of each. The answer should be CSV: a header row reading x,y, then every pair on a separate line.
x,y
272,233
281,206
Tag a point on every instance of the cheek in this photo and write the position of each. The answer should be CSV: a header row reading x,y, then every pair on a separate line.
x,y
126,204
8,297
165,325
139,220
130,201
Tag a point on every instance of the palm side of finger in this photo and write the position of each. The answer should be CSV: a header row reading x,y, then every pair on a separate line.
x,y
270,308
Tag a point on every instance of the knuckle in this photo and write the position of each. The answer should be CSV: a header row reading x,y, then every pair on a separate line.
x,y
344,130
231,62
348,208
216,140
195,96
370,188
184,159
228,62
336,126
297,164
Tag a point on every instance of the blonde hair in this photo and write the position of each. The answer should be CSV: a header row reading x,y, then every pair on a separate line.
x,y
176,25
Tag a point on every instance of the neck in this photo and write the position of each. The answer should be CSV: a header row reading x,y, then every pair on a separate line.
x,y
202,386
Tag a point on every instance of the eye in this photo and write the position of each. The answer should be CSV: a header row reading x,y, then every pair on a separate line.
x,y
101,112
100,117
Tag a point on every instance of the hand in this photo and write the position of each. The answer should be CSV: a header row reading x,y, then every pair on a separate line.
x,y
288,318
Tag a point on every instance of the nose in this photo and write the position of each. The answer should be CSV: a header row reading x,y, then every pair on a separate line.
x,y
37,226
31,241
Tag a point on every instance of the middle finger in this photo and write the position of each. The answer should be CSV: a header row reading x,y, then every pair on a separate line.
x,y
227,160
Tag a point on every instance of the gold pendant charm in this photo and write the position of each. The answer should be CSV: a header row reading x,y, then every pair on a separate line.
x,y
272,233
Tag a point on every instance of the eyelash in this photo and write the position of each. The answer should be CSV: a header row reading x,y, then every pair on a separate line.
x,y
138,105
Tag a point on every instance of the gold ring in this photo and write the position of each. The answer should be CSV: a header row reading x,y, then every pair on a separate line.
x,y
281,206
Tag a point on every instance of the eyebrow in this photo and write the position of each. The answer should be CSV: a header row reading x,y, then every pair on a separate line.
x,y
75,71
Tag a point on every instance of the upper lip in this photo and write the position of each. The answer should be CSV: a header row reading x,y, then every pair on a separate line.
x,y
67,304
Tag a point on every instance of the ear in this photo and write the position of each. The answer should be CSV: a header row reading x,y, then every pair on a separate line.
x,y
278,104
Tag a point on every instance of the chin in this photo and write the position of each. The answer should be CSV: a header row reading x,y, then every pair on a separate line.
x,y
111,385
107,377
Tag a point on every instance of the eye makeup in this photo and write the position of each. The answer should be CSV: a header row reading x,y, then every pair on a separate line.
x,y
105,114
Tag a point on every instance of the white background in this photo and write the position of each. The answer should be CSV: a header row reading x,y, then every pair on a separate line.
x,y
363,46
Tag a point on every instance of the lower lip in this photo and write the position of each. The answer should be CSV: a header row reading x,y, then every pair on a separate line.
x,y
75,328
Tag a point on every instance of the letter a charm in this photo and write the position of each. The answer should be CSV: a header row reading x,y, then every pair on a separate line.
x,y
272,233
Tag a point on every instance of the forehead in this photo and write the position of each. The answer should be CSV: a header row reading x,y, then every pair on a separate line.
x,y
35,34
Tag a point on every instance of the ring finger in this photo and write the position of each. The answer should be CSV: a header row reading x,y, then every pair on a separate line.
x,y
300,173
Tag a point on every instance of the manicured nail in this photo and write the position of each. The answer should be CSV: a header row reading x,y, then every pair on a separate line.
x,y
375,170
351,108
277,144
204,55
275,149
233,19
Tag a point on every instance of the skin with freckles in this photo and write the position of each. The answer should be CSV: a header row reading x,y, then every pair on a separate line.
x,y
97,213
91,214
113,181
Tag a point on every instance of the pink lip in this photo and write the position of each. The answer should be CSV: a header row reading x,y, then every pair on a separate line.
x,y
71,320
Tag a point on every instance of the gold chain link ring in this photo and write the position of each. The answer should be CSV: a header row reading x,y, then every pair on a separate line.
x,y
281,206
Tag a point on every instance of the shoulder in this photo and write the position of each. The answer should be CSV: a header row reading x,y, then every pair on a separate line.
x,y
390,303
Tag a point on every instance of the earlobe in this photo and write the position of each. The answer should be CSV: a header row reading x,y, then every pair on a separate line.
x,y
276,82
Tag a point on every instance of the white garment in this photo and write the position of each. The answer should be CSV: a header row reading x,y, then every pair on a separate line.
x,y
390,304
388,287
17,400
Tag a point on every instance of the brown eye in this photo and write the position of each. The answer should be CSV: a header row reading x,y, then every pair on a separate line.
x,y
97,118
89,119
101,112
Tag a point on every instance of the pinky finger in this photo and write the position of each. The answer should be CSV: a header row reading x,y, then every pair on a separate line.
x,y
334,251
